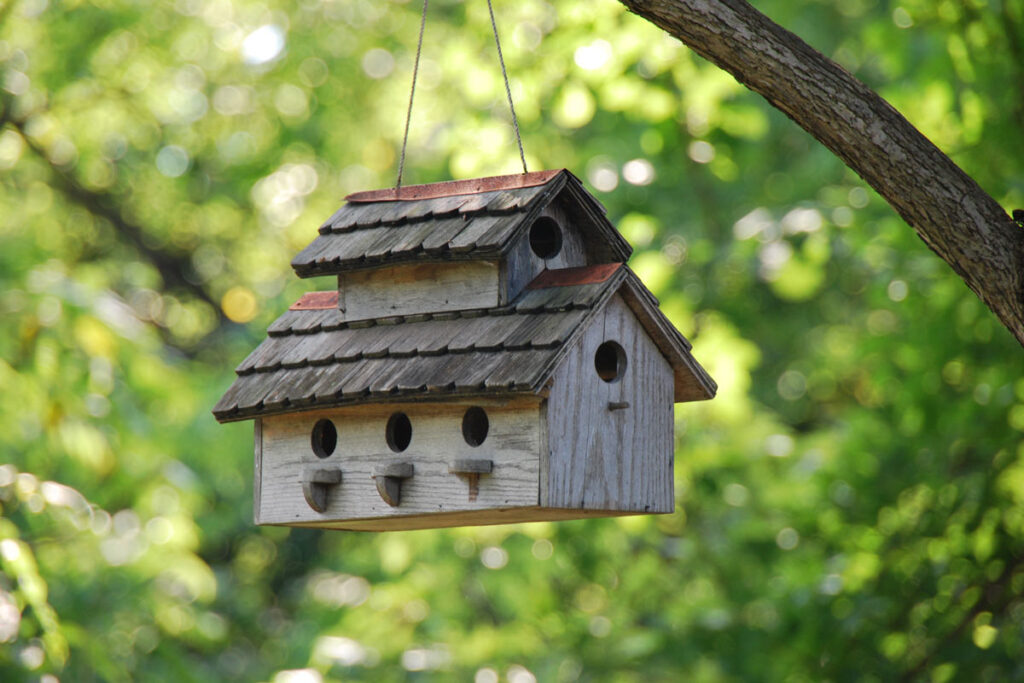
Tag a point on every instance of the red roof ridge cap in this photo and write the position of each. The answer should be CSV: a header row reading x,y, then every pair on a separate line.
x,y
579,275
451,188
316,301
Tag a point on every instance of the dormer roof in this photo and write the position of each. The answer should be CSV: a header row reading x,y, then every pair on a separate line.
x,y
457,220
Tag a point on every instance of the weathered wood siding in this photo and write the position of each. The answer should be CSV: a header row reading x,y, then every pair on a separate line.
x,y
418,288
611,459
513,443
522,265
257,471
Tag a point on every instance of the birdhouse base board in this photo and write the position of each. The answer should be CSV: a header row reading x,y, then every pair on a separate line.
x,y
475,518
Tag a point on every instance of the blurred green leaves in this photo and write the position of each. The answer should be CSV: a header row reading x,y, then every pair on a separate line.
x,y
850,507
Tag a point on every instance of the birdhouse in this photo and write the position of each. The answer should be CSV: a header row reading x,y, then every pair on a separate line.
x,y
487,357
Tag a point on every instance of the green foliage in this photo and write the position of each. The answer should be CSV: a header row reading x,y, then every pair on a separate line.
x,y
851,506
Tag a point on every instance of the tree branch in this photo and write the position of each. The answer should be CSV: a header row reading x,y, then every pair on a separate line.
x,y
172,267
957,219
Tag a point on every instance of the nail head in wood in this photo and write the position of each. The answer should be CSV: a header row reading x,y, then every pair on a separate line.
x,y
618,405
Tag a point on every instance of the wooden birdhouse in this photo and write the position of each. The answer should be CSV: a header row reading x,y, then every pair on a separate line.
x,y
487,358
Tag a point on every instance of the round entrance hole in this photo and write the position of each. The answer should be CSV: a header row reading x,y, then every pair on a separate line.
x,y
398,432
610,361
474,426
324,439
545,237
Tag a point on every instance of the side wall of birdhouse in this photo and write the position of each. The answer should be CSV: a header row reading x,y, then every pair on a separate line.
x,y
610,420
360,442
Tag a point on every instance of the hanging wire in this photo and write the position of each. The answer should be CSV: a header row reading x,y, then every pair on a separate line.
x,y
412,93
508,90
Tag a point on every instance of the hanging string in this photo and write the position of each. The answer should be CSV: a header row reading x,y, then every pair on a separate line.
x,y
412,93
508,90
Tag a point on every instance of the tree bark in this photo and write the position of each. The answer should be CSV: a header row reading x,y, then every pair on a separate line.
x,y
957,219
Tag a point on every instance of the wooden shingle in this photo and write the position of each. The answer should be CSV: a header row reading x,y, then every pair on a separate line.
x,y
369,232
310,360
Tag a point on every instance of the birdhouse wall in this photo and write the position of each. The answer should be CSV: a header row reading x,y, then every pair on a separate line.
x,y
612,442
410,289
286,451
524,263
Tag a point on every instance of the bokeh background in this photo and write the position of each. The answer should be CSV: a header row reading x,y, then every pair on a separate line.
x,y
850,507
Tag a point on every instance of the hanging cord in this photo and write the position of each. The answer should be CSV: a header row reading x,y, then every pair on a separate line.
x,y
412,93
508,90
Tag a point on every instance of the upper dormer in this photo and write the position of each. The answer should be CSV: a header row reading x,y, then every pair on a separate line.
x,y
458,245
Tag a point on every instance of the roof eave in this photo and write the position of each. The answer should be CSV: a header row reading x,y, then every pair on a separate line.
x,y
620,248
408,397
692,381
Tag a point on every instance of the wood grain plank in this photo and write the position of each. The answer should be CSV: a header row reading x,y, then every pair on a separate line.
x,y
385,376
257,469
327,381
387,238
548,329
298,350
490,517
270,348
444,231
493,336
340,345
351,215
288,387
446,205
420,288
472,330
252,389
412,237
427,337
283,325
619,459
521,368
478,202
417,373
477,230
512,445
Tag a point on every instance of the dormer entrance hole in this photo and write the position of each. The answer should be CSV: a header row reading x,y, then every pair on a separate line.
x,y
546,237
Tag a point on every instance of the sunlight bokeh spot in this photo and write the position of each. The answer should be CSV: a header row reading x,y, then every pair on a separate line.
x,y
263,44
239,304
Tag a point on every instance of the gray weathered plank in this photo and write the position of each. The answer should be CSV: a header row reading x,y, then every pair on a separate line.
x,y
513,445
419,288
445,230
478,228
618,459
411,238
270,347
521,368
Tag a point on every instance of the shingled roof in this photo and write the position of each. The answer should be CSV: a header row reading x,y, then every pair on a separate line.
x,y
312,359
449,221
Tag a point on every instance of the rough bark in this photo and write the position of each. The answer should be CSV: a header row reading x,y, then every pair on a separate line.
x,y
957,219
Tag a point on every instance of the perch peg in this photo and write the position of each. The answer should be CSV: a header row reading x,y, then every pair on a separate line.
x,y
389,481
316,483
471,469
